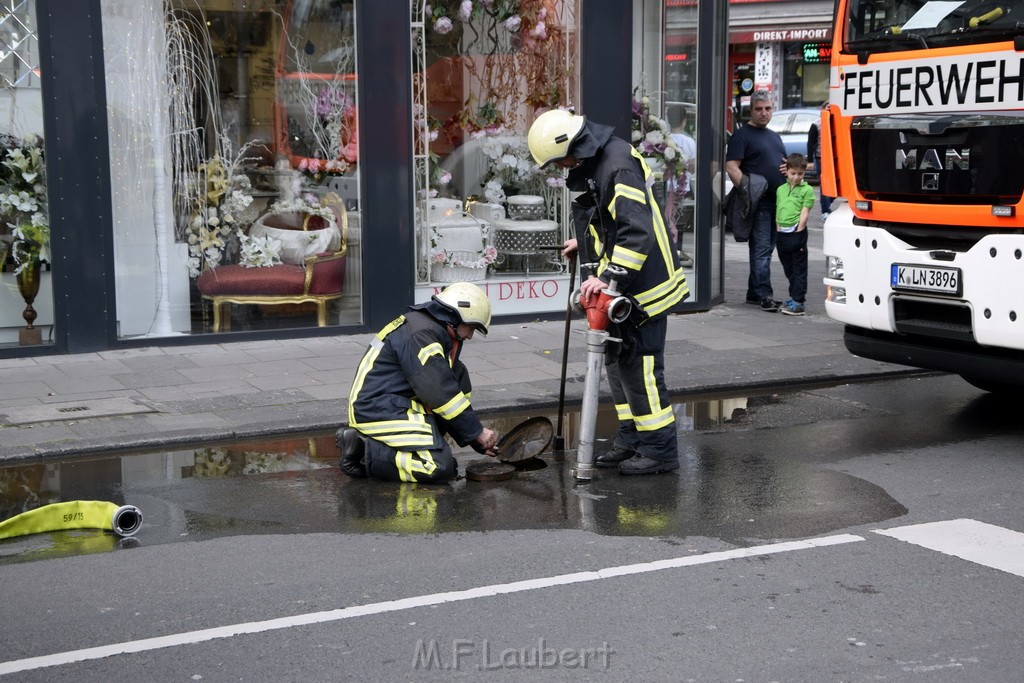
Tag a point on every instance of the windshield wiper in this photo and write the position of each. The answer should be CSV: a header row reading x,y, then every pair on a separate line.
x,y
862,46
884,39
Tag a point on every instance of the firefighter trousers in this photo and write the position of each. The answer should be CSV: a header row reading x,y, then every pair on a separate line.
x,y
432,464
636,373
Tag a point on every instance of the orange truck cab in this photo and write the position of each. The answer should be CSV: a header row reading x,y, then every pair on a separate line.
x,y
924,140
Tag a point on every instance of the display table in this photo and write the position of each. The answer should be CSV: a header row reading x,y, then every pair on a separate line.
x,y
518,243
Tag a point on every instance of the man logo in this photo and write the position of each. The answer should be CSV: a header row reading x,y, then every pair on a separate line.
x,y
930,181
933,159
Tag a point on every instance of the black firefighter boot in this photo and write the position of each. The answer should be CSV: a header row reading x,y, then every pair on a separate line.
x,y
616,455
352,445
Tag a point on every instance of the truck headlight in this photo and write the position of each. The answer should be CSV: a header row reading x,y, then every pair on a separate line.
x,y
834,268
836,295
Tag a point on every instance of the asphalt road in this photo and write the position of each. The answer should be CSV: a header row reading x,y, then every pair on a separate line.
x,y
785,549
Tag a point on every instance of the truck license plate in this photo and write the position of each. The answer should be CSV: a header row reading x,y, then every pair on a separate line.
x,y
906,277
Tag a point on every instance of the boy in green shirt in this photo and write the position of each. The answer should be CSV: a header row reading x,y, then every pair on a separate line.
x,y
793,202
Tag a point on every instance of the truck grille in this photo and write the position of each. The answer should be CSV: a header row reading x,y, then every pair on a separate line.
x,y
967,159
933,319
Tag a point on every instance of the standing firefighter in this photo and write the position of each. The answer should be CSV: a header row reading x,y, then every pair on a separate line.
x,y
411,390
620,230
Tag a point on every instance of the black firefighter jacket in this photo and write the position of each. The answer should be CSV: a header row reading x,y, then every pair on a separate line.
x,y
410,369
618,221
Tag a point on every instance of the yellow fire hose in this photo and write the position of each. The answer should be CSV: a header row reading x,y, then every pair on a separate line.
x,y
123,520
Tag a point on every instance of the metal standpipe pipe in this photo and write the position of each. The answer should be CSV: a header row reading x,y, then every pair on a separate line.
x,y
609,306
596,341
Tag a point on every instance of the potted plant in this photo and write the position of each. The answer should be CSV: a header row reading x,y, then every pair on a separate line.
x,y
24,209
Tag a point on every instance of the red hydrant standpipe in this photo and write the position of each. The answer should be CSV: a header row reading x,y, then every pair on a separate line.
x,y
609,306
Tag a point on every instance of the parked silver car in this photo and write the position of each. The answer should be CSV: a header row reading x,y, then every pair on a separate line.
x,y
794,125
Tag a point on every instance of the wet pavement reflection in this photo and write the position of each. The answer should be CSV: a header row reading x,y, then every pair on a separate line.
x,y
292,485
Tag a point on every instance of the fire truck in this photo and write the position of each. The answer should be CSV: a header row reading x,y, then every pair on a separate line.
x,y
924,139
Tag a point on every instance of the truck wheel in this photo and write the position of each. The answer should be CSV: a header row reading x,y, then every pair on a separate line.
x,y
1003,388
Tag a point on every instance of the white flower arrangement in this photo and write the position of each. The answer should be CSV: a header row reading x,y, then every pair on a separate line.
x,y
307,203
652,137
259,252
228,194
23,197
513,165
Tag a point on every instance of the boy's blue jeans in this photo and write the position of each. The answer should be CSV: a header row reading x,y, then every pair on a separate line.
x,y
761,245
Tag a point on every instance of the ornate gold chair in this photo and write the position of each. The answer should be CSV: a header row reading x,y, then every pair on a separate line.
x,y
320,279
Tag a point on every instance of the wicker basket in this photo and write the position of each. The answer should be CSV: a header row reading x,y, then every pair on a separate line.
x,y
442,273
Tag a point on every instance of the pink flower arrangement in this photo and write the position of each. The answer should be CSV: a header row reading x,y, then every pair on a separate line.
x,y
443,25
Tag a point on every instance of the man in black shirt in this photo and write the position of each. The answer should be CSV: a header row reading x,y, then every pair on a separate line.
x,y
756,149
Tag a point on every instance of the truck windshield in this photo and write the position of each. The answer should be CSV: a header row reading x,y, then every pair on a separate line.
x,y
892,25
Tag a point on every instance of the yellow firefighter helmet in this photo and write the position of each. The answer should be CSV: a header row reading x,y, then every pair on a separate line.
x,y
469,302
552,134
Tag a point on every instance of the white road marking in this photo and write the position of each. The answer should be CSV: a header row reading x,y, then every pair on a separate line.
x,y
191,637
968,539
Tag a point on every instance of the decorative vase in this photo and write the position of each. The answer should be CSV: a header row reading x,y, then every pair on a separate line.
x,y
28,286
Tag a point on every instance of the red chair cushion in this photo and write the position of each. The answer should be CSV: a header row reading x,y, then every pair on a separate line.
x,y
328,277
235,280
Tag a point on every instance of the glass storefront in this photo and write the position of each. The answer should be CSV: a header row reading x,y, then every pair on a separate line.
x,y
212,182
26,284
484,212
698,227
234,164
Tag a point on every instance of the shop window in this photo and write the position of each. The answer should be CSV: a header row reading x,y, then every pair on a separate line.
x,y
26,298
482,72
234,164
697,177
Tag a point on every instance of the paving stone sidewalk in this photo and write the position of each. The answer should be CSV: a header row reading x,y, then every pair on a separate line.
x,y
154,397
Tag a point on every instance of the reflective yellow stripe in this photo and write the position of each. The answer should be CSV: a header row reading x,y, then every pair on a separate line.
x,y
622,412
643,164
627,258
649,423
375,429
406,440
454,407
659,416
677,280
598,243
626,192
658,299
428,351
630,192
366,364
661,232
409,464
651,384
390,327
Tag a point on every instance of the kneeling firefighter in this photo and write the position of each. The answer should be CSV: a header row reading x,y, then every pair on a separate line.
x,y
622,237
411,390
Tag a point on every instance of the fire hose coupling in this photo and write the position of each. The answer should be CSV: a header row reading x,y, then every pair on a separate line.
x,y
609,306
123,520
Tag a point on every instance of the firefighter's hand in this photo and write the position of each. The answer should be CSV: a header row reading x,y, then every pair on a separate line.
x,y
569,248
486,442
592,286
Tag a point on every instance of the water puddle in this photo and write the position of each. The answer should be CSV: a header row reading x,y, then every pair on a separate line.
x,y
292,485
